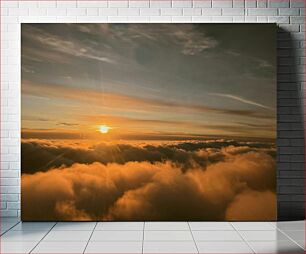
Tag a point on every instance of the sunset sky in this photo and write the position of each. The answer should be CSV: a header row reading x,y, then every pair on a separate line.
x,y
159,122
148,81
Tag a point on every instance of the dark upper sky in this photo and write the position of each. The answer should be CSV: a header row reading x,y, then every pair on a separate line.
x,y
214,79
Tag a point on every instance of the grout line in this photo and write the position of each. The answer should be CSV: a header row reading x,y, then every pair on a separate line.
x,y
247,243
42,238
290,238
10,228
90,236
143,231
193,238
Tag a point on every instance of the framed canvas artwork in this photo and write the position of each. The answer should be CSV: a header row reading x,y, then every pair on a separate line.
x,y
155,122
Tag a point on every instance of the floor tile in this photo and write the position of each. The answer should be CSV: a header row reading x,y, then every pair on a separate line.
x,y
23,236
216,236
291,225
167,235
33,226
114,247
253,226
70,236
17,247
5,226
223,247
297,236
116,236
60,247
120,226
63,226
211,226
265,235
169,247
166,226
276,247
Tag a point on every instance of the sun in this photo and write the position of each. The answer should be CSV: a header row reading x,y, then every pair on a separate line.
x,y
104,129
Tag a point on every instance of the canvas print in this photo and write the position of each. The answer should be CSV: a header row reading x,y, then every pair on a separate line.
x,y
155,122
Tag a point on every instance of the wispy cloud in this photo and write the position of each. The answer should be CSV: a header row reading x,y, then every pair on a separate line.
x,y
67,46
133,103
241,99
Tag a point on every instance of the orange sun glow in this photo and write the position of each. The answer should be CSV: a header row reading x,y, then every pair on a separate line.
x,y
104,129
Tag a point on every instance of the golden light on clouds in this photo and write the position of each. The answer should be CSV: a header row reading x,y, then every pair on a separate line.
x,y
104,129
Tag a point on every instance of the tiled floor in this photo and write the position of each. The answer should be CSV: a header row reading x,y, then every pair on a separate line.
x,y
152,237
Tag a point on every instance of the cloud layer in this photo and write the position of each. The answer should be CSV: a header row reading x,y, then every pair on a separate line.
x,y
213,180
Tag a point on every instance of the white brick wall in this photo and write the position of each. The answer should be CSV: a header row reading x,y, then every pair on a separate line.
x,y
288,13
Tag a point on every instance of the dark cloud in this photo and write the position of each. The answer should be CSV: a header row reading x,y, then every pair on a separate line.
x,y
161,182
43,155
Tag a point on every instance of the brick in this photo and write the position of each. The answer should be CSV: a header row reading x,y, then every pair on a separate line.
x,y
202,3
9,173
9,181
13,205
139,3
250,3
66,4
291,189
76,11
172,11
108,11
297,142
262,3
282,141
233,12
289,28
57,12
201,19
222,3
238,19
9,4
160,19
279,19
262,19
192,11
92,11
238,3
181,3
297,20
90,4
47,4
291,150
118,4
181,19
291,174
222,19
291,198
9,197
38,11
9,213
289,11
2,205
138,19
10,189
291,182
297,3
128,12
18,12
262,12
278,3
160,4
150,12
211,11
297,166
